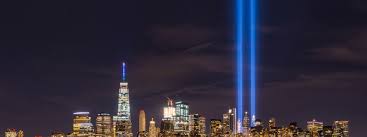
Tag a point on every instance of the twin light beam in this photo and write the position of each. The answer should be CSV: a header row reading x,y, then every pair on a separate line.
x,y
246,39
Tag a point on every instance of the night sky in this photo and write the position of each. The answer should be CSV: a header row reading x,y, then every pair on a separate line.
x,y
58,57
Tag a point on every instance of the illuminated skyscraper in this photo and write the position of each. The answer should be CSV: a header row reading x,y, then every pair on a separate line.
x,y
14,133
142,121
82,126
10,133
327,131
197,125
272,129
246,125
181,118
104,125
123,120
168,121
230,122
167,128
169,112
20,133
153,130
216,129
341,128
123,112
272,123
314,127
293,128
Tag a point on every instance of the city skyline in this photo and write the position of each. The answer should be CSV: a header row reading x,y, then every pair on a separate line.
x,y
61,57
178,120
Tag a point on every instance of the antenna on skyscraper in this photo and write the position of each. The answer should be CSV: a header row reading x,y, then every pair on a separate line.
x,y
123,71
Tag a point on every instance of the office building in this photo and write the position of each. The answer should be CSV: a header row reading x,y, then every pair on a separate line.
x,y
327,131
341,128
197,125
246,125
315,127
11,133
142,122
169,111
168,121
122,121
216,128
104,125
181,118
153,130
20,133
82,125
230,122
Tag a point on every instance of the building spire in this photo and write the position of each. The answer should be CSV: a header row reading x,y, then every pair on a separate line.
x,y
123,71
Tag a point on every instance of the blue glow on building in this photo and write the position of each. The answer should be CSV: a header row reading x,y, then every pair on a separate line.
x,y
239,57
123,71
252,41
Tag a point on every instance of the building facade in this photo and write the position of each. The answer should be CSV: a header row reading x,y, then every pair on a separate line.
x,y
153,130
122,121
230,122
11,133
104,126
341,128
181,118
82,125
197,125
142,124
216,128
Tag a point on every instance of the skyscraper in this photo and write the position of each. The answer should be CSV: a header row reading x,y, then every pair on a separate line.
x,y
272,123
82,125
216,129
122,121
246,125
197,125
104,125
153,130
168,121
10,133
314,127
20,133
142,131
327,131
341,128
169,111
182,118
14,133
272,127
230,122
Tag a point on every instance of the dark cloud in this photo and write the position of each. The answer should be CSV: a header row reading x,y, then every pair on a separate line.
x,y
351,50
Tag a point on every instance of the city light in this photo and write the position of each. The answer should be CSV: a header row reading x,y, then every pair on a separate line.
x,y
81,113
178,121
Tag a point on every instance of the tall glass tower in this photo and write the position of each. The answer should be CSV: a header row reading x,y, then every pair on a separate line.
x,y
123,120
123,112
182,118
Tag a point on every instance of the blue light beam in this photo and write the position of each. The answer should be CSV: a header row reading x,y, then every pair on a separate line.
x,y
252,57
123,71
239,58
